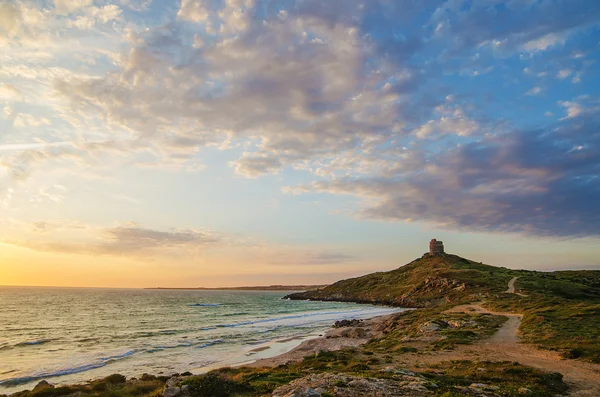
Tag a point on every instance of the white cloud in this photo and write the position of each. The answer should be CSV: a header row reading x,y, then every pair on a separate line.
x,y
545,42
69,6
29,120
96,15
574,109
9,92
534,91
564,73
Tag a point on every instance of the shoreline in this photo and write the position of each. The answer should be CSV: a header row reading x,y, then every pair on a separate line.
x,y
294,349
334,339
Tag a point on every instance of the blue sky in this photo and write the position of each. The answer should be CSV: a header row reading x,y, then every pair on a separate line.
x,y
254,142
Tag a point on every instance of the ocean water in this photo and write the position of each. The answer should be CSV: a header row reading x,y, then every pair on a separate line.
x,y
69,335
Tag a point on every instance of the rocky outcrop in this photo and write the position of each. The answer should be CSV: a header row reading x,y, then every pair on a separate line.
x,y
43,385
348,323
402,383
173,388
349,332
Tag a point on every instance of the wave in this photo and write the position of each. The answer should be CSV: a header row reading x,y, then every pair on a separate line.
x,y
204,304
209,343
34,342
198,345
25,343
234,314
67,371
350,313
187,344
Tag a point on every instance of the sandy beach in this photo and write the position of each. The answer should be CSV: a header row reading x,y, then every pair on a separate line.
x,y
294,349
334,339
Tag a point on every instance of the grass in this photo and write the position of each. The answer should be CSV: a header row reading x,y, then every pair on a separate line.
x,y
406,331
445,379
561,311
424,282
112,386
508,377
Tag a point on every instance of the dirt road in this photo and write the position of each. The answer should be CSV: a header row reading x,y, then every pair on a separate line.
x,y
582,377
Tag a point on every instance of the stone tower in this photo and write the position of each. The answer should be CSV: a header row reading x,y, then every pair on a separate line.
x,y
436,248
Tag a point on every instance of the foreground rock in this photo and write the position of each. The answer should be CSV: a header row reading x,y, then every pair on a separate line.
x,y
348,323
325,384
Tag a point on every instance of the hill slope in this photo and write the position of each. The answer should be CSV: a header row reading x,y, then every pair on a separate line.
x,y
427,281
561,310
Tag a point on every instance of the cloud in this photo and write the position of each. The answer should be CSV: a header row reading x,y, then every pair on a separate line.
x,y
9,92
564,73
69,6
538,182
374,99
126,240
545,42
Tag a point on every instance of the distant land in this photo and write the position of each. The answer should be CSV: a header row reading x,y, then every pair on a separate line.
x,y
255,288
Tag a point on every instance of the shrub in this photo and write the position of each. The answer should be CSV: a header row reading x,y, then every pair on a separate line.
x,y
115,378
213,385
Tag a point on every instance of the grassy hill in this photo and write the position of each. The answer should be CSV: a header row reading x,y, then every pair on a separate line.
x,y
424,282
561,310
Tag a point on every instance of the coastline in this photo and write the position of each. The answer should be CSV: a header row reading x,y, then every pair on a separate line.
x,y
294,349
333,340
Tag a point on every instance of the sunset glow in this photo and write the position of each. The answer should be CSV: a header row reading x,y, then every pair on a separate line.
x,y
248,142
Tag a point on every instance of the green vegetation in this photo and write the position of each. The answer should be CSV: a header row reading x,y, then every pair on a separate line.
x,y
444,379
424,282
407,330
504,378
112,386
560,312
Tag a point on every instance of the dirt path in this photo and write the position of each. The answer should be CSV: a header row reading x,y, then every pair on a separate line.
x,y
511,285
583,377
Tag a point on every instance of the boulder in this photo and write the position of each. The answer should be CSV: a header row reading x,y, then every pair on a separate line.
x,y
171,391
347,323
43,385
429,326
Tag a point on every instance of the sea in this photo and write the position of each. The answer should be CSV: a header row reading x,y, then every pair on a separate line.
x,y
72,335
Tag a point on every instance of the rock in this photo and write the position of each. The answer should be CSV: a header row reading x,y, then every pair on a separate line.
x,y
483,387
43,385
358,333
173,381
524,390
171,391
478,386
429,327
354,386
310,392
347,323
455,323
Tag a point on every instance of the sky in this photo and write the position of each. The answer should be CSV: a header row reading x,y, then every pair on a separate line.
x,y
216,143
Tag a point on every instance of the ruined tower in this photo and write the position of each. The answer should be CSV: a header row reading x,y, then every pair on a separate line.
x,y
436,248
